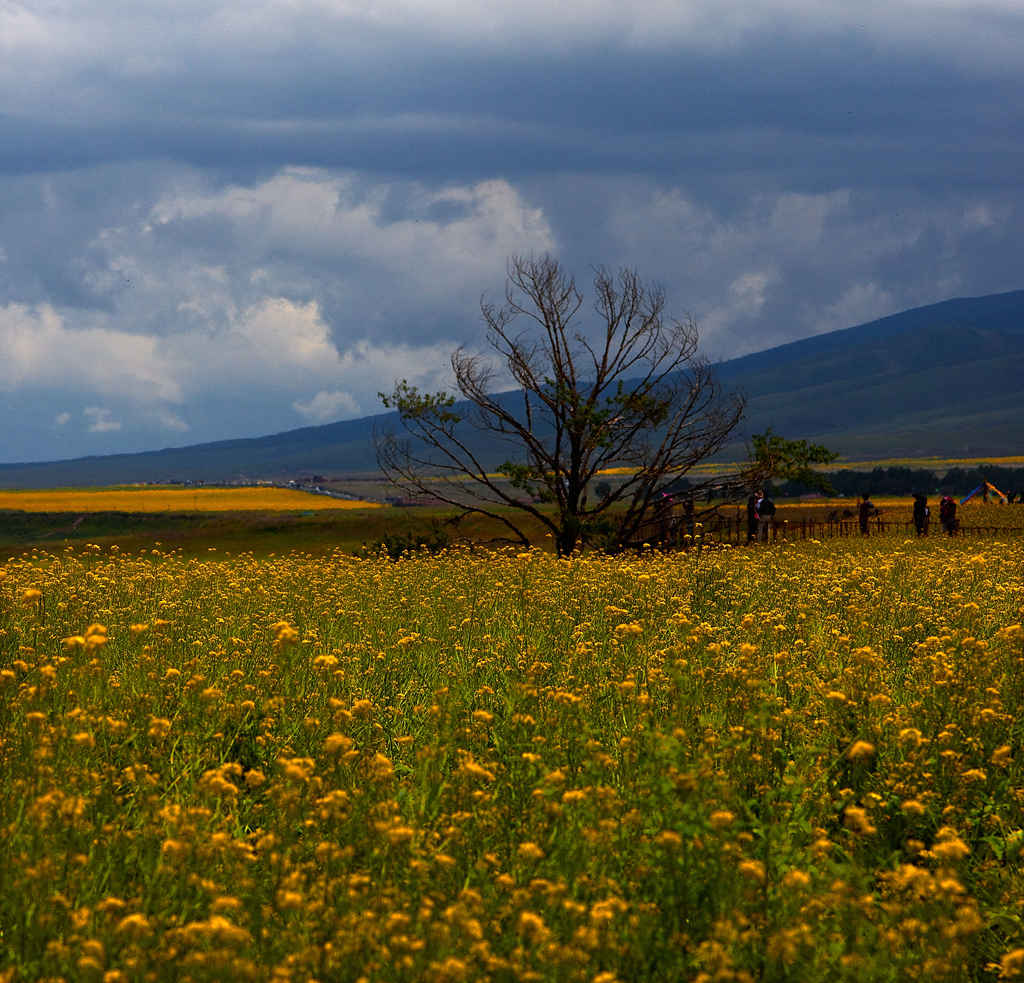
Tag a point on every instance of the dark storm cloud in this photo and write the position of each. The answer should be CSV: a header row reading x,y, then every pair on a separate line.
x,y
219,221
838,112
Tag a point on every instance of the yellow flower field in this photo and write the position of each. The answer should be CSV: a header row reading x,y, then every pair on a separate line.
x,y
159,499
801,762
927,463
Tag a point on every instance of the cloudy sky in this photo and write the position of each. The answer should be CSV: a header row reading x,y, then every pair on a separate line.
x,y
224,219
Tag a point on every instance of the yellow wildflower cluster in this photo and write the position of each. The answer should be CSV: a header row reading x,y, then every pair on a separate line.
x,y
798,763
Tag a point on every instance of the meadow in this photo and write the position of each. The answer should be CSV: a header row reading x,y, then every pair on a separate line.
x,y
799,762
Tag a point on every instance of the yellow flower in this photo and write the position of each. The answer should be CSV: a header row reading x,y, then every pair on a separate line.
x,y
857,820
628,628
135,925
752,869
949,846
396,835
473,769
796,879
1002,756
605,911
338,743
861,751
1011,966
532,925
289,900
174,849
910,737
284,634
159,728
530,851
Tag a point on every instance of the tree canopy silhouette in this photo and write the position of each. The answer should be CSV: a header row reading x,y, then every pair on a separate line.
x,y
625,389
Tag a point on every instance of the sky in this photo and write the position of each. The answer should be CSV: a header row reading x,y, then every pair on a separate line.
x,y
224,220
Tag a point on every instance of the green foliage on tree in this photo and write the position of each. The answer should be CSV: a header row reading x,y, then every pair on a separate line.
x,y
775,457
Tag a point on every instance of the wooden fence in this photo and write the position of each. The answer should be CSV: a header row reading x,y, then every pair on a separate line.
x,y
676,533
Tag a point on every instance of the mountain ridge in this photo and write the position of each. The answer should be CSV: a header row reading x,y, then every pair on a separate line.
x,y
946,379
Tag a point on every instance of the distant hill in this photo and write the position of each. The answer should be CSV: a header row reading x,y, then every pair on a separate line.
x,y
947,379
944,380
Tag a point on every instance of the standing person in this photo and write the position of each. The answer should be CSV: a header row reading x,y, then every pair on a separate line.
x,y
865,511
752,516
689,519
765,517
921,515
663,513
947,514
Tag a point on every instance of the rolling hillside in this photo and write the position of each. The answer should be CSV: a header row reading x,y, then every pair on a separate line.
x,y
947,380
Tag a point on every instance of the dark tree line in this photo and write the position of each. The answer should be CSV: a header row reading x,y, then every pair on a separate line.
x,y
909,481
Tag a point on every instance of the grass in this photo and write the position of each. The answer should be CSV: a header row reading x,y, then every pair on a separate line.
x,y
260,533
352,530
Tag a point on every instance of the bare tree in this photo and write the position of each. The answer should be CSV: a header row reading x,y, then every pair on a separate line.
x,y
632,393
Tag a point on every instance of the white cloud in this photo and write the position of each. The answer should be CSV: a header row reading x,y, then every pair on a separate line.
x,y
326,406
981,216
285,335
171,421
747,292
339,218
101,420
43,350
799,220
745,298
858,304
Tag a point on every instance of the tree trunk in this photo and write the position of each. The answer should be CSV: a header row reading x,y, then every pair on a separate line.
x,y
568,535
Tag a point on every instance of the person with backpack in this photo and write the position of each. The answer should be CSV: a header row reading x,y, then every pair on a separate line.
x,y
865,511
922,514
764,508
752,516
947,514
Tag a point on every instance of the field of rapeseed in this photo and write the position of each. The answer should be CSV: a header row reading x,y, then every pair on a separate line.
x,y
793,763
157,499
